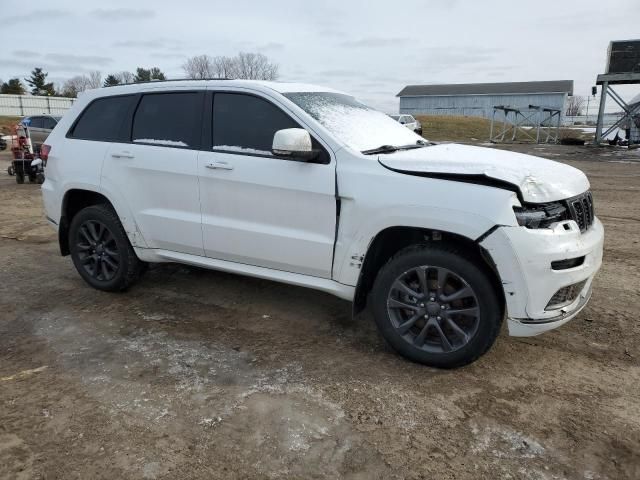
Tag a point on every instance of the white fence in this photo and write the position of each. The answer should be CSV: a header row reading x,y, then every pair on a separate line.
x,y
609,119
21,105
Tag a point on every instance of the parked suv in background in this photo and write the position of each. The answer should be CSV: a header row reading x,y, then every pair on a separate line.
x,y
409,121
307,186
40,126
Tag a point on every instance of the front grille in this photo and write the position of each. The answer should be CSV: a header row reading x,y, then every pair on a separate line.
x,y
565,296
581,210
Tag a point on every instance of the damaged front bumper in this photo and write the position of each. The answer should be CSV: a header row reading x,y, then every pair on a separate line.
x,y
547,274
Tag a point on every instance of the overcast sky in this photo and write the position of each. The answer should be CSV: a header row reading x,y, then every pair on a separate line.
x,y
368,48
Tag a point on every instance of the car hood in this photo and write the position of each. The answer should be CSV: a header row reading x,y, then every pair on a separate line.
x,y
538,180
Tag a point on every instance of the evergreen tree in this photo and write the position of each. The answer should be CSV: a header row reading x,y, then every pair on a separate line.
x,y
142,75
146,75
156,74
111,81
38,84
13,87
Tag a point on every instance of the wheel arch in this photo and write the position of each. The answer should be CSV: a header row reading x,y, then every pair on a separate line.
x,y
386,243
74,200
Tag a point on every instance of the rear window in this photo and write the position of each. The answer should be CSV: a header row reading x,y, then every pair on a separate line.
x,y
104,119
169,119
49,123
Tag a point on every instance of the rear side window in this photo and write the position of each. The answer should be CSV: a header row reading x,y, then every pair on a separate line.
x,y
169,119
246,123
104,119
36,122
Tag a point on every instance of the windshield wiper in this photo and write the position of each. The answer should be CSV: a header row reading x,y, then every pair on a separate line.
x,y
394,148
381,149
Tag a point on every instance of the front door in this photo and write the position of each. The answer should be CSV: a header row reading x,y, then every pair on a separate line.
x,y
258,209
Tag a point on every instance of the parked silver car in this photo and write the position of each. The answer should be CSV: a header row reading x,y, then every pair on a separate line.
x,y
40,127
409,121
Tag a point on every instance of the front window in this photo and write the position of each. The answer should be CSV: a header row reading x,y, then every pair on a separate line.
x,y
359,126
246,124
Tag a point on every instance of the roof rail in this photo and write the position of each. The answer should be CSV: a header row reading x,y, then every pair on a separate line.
x,y
170,80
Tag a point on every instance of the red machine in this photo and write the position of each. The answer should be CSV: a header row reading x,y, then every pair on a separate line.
x,y
25,163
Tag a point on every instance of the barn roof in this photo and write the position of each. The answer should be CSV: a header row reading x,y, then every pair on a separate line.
x,y
553,86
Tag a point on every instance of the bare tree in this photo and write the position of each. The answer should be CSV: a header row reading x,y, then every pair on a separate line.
x,y
250,66
255,66
574,105
125,77
224,67
94,79
199,67
75,85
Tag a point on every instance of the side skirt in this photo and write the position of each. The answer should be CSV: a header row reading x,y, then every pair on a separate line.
x,y
346,292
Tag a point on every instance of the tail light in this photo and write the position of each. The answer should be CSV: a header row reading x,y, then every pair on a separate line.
x,y
44,153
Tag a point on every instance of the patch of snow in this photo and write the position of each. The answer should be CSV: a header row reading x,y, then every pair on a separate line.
x,y
504,443
358,126
236,148
171,143
155,316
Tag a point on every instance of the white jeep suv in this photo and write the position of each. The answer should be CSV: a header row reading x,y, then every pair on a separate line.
x,y
304,185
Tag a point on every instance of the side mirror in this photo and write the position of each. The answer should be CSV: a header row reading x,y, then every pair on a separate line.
x,y
294,143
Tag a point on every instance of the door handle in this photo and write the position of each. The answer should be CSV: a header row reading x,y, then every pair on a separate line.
x,y
122,155
219,165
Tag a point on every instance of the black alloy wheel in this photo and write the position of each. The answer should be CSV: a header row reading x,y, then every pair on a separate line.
x,y
97,250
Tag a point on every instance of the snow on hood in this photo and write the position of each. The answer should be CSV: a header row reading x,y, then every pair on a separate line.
x,y
539,180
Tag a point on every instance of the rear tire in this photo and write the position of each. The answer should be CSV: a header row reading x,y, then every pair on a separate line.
x,y
101,251
436,306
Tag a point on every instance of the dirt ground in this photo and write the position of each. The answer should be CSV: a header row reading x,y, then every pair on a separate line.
x,y
201,374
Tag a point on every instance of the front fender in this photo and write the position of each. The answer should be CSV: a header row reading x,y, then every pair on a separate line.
x,y
354,240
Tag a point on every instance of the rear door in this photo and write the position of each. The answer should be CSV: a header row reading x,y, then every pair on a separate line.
x,y
156,170
258,209
89,138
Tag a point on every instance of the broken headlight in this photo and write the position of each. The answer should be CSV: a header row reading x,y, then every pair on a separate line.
x,y
540,216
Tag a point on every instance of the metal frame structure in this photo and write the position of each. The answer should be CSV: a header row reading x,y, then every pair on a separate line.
x,y
546,121
606,80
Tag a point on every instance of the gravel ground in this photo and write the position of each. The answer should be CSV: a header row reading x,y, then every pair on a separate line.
x,y
201,374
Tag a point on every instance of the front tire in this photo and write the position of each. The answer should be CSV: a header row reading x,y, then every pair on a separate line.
x,y
436,306
101,251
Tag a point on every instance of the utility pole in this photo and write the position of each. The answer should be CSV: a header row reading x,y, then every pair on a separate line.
x,y
587,119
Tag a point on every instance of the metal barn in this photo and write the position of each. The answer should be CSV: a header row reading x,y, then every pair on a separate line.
x,y
478,99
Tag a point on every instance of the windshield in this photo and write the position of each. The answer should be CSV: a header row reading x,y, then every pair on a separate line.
x,y
395,117
359,126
